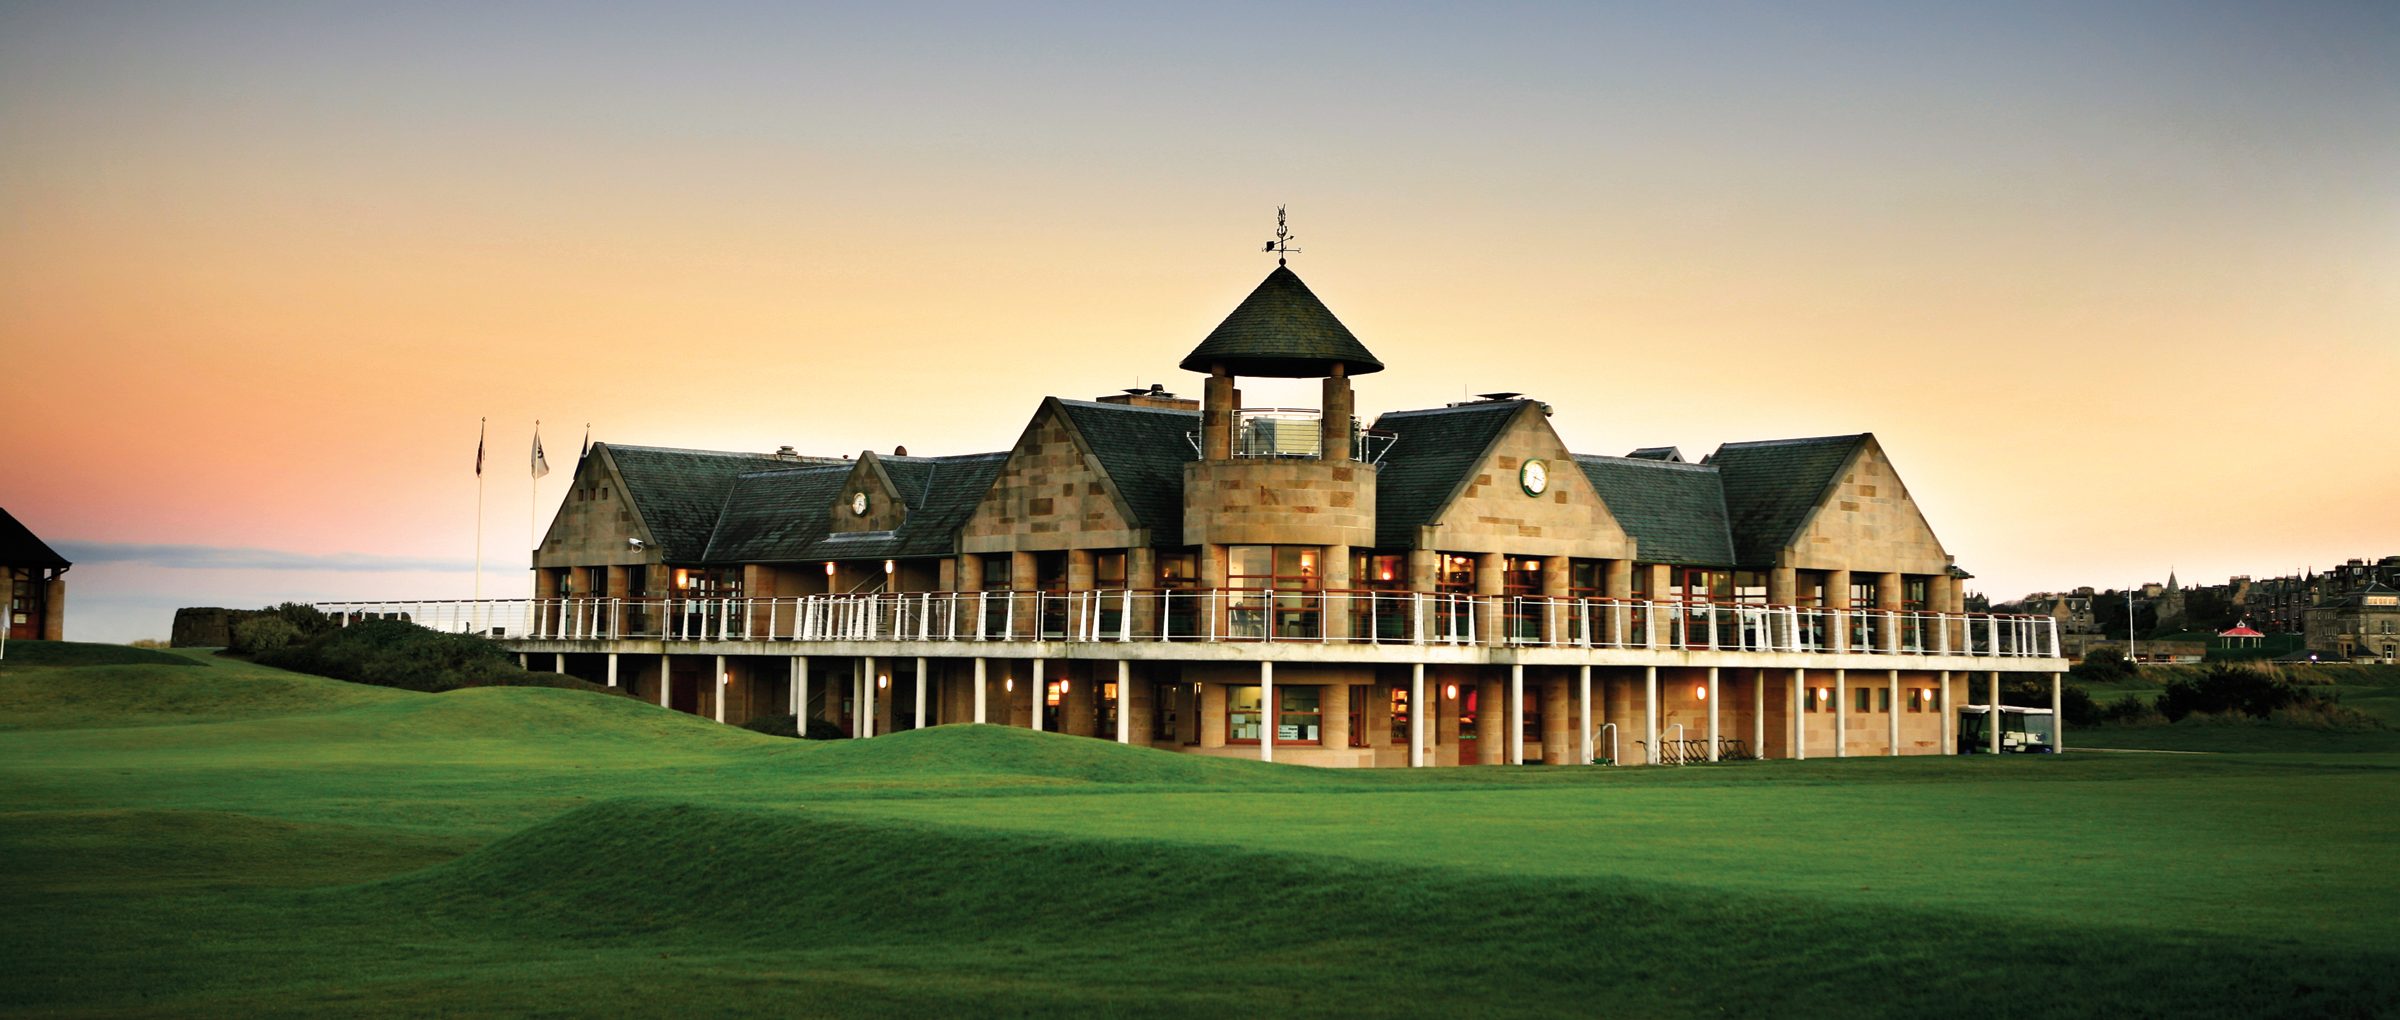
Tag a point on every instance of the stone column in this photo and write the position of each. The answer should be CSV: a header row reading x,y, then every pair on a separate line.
x,y
1888,598
1417,708
612,669
1941,704
1841,713
1937,599
983,684
722,684
1783,589
1039,691
866,699
1336,579
1491,578
2058,714
1218,402
1837,599
1027,607
1758,713
1662,577
970,572
1516,715
1800,699
1558,723
1893,683
1491,715
1124,701
1583,714
1993,712
1333,707
921,679
1650,712
1556,576
666,679
1618,576
800,694
1715,695
1141,574
1334,426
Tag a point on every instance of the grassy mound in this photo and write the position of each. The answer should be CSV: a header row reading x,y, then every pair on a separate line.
x,y
1003,752
191,687
80,653
960,919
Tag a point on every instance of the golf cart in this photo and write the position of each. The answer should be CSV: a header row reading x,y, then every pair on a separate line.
x,y
2022,730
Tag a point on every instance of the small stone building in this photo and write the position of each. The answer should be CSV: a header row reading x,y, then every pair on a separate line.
x,y
37,583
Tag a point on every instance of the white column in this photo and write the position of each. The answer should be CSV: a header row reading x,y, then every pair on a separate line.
x,y
1800,696
800,693
1041,691
982,685
1416,716
724,684
1992,712
1516,715
1650,712
1583,712
612,669
1758,714
559,663
666,679
1941,704
1894,684
1266,707
1716,694
920,692
1841,713
524,661
2058,713
866,701
1124,701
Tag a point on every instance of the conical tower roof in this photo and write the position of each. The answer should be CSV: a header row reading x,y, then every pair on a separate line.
x,y
1282,330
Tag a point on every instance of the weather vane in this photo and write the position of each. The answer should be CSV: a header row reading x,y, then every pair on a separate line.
x,y
1282,244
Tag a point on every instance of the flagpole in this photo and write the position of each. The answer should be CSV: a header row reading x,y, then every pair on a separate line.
x,y
477,617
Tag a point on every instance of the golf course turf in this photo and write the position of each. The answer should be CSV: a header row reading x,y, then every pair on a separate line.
x,y
209,837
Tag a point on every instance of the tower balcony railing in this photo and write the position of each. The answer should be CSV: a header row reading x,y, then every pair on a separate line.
x,y
1295,433
1264,615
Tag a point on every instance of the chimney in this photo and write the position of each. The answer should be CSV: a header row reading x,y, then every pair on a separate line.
x,y
1155,396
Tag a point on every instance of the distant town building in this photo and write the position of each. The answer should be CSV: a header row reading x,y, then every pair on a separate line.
x,y
37,586
2364,624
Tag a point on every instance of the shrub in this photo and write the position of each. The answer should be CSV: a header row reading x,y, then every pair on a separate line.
x,y
2102,665
261,635
392,653
2228,689
2075,702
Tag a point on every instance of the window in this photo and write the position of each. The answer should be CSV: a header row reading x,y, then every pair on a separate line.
x,y
1883,700
1864,696
1521,579
1383,617
1296,712
1177,573
1399,715
1292,568
1533,715
1359,693
995,571
1924,699
1820,699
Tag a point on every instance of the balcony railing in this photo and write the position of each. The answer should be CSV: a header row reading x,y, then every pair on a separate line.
x,y
1288,616
1295,433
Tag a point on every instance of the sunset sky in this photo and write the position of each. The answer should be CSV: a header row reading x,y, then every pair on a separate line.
x,y
2118,286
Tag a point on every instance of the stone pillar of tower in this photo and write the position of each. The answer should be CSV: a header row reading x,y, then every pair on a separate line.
x,y
1335,425
1218,403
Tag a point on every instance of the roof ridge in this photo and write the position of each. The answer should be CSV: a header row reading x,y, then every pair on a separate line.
x,y
1748,444
1669,465
1127,407
1479,405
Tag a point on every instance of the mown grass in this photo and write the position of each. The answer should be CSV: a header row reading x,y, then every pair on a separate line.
x,y
315,847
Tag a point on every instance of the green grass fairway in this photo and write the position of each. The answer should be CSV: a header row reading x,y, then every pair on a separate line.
x,y
204,837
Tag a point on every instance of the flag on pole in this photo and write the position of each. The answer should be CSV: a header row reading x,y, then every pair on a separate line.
x,y
479,427
541,464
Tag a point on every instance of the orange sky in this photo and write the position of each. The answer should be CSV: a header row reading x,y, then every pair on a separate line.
x,y
2118,291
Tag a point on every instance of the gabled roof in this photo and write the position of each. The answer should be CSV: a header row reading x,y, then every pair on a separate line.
x,y
678,493
1674,511
1143,449
19,547
1771,488
1281,329
1431,455
785,516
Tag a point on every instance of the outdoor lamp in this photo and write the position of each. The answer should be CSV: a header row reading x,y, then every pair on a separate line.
x,y
1009,685
1062,687
829,568
1450,692
1700,691
884,680
887,566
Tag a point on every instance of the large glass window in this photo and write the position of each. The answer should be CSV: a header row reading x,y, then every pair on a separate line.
x,y
1275,568
1245,715
1400,709
1455,576
1522,584
1382,614
1297,715
995,571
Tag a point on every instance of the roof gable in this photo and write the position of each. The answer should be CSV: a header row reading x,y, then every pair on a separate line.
x,y
1674,511
1142,451
769,516
1434,452
20,548
678,494
1772,488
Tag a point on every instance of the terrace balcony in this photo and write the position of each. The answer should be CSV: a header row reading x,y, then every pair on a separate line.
x,y
1274,617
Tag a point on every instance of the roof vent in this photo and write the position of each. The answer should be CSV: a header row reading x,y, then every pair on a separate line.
x,y
899,451
787,453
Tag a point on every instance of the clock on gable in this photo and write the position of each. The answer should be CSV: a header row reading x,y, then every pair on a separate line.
x,y
858,504
1534,477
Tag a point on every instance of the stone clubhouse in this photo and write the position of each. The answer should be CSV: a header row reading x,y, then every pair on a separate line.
x,y
1445,586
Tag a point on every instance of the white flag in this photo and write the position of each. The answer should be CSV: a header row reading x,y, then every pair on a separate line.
x,y
541,464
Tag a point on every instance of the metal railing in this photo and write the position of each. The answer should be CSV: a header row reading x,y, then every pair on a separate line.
x,y
1286,616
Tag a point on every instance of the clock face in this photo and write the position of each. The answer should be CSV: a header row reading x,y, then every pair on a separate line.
x,y
858,504
1535,477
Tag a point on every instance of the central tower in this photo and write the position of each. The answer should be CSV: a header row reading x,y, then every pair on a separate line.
x,y
1278,477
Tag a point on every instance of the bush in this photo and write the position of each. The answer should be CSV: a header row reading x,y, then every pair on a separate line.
x,y
2229,689
2075,702
392,653
261,635
2102,665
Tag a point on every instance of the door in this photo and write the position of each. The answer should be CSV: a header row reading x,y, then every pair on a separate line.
x,y
24,605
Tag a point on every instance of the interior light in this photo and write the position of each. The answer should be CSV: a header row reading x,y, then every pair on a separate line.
x,y
1533,564
683,579
1387,573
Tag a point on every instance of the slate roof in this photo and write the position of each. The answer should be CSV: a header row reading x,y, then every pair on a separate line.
x,y
1143,449
1658,453
785,516
1674,511
1282,330
20,548
679,492
1771,487
1431,453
